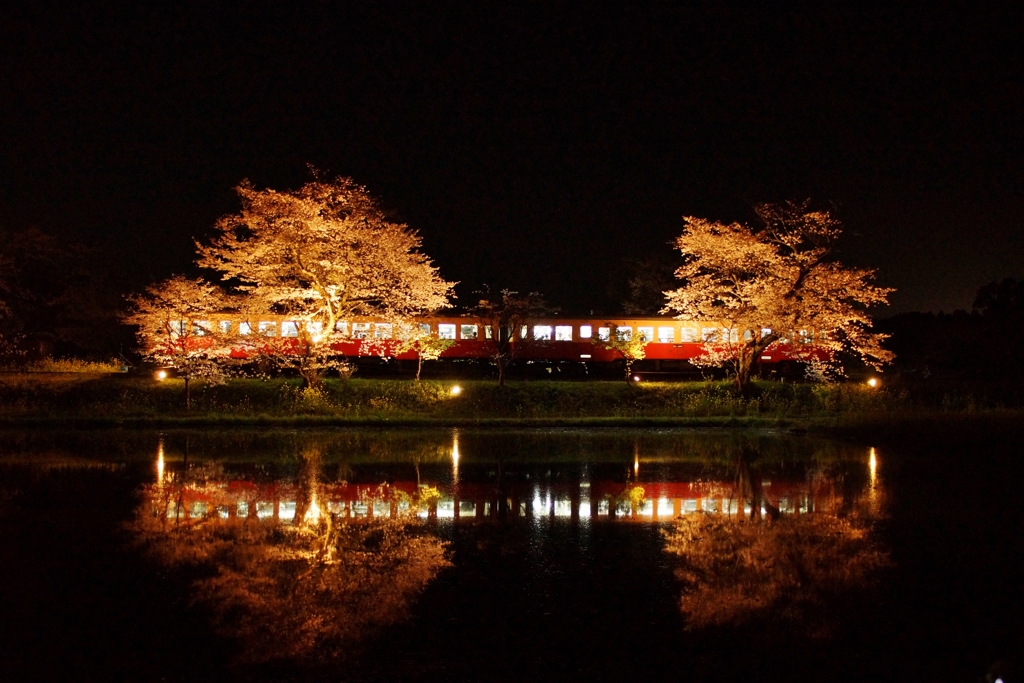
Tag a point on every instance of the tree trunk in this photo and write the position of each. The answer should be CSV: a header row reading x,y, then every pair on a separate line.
x,y
188,395
629,369
419,366
501,371
746,364
312,378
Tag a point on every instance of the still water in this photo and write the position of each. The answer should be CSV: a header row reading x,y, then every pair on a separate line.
x,y
470,555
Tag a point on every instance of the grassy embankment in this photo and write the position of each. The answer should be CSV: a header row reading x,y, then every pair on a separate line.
x,y
108,400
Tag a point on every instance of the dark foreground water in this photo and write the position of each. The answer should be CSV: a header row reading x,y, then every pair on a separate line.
x,y
441,555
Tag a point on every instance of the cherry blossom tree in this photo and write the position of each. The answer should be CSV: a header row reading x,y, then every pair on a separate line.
x,y
506,313
765,284
320,254
632,347
426,344
174,328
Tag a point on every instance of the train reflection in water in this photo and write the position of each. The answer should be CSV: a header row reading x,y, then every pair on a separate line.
x,y
735,493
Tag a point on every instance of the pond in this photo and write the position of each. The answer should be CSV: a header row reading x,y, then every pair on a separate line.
x,y
504,555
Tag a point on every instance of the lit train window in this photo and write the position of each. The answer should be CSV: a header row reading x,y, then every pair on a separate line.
x,y
765,331
688,334
709,334
382,331
268,328
523,331
244,329
178,327
201,328
747,335
467,331
446,331
542,332
289,329
360,330
224,326
563,332
604,333
624,332
804,336
488,332
666,335
645,333
315,328
342,328
586,331
732,335
424,328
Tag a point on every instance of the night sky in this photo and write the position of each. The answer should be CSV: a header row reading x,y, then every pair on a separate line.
x,y
536,146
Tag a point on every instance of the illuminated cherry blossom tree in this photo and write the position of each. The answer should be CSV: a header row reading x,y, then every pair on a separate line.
x,y
320,254
632,347
174,328
765,284
426,344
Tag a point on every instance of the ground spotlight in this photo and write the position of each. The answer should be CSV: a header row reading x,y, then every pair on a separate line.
x,y
873,383
456,390
636,378
160,375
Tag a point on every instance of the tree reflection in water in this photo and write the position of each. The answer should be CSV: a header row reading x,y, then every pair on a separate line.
x,y
306,587
765,563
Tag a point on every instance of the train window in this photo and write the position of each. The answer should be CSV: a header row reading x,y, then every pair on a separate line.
x,y
468,331
382,331
424,328
178,327
688,334
709,334
542,332
804,336
289,329
645,333
563,332
224,326
822,336
747,335
201,328
666,335
342,328
315,329
244,329
488,332
360,330
624,332
446,331
604,333
732,335
586,331
765,331
523,331
267,328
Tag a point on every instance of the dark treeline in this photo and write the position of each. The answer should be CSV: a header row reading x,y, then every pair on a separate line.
x,y
986,343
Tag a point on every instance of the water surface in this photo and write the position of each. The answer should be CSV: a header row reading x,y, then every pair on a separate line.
x,y
504,555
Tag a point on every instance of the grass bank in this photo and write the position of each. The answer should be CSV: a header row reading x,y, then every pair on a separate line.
x,y
101,400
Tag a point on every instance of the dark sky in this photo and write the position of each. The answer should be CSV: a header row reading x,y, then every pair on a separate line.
x,y
534,146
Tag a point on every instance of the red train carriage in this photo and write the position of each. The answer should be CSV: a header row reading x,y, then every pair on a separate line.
x,y
555,340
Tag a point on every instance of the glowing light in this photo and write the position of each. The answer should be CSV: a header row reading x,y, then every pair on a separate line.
x,y
160,375
873,466
636,378
313,512
455,456
456,390
873,382
160,462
